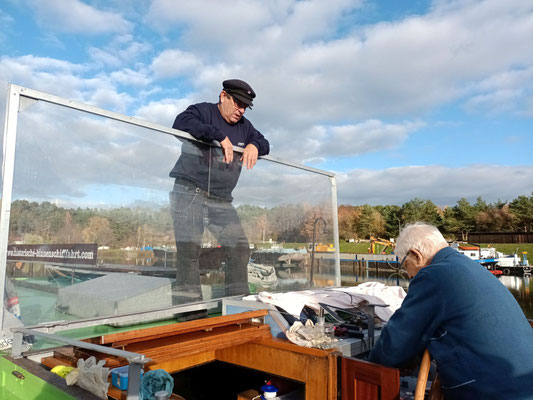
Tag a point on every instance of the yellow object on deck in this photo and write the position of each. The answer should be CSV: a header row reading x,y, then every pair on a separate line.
x,y
62,370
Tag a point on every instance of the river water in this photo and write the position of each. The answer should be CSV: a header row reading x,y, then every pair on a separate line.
x,y
521,286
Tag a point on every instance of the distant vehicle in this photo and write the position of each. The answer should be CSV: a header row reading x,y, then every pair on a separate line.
x,y
320,247
381,246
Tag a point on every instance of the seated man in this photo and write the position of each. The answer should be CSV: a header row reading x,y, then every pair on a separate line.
x,y
470,323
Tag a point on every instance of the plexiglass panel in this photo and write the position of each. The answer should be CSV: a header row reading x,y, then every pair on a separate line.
x,y
100,226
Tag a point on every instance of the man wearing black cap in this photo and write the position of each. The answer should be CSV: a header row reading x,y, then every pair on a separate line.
x,y
205,177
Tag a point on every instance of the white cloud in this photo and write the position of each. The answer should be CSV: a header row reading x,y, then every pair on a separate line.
x,y
123,49
323,142
508,91
109,98
74,16
46,74
68,80
75,152
394,69
162,112
442,185
368,136
129,77
322,93
172,63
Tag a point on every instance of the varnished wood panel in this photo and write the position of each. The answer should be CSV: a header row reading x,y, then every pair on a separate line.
x,y
181,363
122,338
316,368
363,380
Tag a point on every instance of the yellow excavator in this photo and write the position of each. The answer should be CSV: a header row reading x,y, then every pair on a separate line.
x,y
381,246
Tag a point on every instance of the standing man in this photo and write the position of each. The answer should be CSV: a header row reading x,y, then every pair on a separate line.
x,y
205,177
468,320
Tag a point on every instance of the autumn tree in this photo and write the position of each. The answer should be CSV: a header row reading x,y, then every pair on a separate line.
x,y
348,217
318,223
98,231
254,221
286,222
392,217
70,232
496,218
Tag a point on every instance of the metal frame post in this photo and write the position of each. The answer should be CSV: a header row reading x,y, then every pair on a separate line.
x,y
8,168
335,221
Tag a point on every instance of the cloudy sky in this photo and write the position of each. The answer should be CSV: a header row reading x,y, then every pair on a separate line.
x,y
401,99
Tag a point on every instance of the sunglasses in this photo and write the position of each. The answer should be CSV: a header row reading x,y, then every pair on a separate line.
x,y
237,103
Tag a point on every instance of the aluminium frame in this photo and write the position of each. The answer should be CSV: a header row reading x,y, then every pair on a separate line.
x,y
19,98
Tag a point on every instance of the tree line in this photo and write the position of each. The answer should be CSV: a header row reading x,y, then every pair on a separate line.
x,y
361,222
35,223
45,222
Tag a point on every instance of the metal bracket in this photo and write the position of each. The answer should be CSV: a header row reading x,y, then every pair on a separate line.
x,y
26,102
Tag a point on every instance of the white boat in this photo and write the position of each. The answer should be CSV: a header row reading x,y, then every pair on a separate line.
x,y
493,259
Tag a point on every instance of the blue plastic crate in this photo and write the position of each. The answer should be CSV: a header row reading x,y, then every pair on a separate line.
x,y
119,377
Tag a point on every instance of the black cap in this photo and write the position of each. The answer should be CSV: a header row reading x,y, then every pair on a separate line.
x,y
240,90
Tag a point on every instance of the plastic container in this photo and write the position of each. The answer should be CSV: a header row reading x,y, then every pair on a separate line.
x,y
269,391
119,377
329,330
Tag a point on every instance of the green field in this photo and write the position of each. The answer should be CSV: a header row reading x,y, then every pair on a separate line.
x,y
511,248
362,248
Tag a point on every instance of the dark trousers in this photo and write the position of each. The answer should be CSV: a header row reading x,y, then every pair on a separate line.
x,y
192,212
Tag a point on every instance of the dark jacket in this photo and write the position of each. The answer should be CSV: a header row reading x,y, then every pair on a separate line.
x,y
204,122
472,326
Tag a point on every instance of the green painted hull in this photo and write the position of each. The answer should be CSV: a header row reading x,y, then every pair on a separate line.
x,y
29,388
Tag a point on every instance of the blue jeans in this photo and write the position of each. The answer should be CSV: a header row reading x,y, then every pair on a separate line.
x,y
192,212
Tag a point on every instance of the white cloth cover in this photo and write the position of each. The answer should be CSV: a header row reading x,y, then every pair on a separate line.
x,y
343,297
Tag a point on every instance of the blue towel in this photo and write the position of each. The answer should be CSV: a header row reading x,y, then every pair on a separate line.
x,y
154,381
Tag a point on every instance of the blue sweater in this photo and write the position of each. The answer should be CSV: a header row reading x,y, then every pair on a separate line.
x,y
202,164
472,326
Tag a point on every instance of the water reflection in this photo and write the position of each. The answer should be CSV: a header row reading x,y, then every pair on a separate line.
x,y
387,277
521,286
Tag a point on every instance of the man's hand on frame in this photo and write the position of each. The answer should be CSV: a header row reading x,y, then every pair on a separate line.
x,y
249,156
227,149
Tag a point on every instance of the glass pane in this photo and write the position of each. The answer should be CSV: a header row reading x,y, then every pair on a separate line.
x,y
110,218
282,210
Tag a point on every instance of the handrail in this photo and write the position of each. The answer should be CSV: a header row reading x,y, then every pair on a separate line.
x,y
135,360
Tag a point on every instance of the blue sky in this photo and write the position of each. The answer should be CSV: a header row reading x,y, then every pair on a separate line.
x,y
402,99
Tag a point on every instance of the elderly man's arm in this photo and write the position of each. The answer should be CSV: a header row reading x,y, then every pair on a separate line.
x,y
409,329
